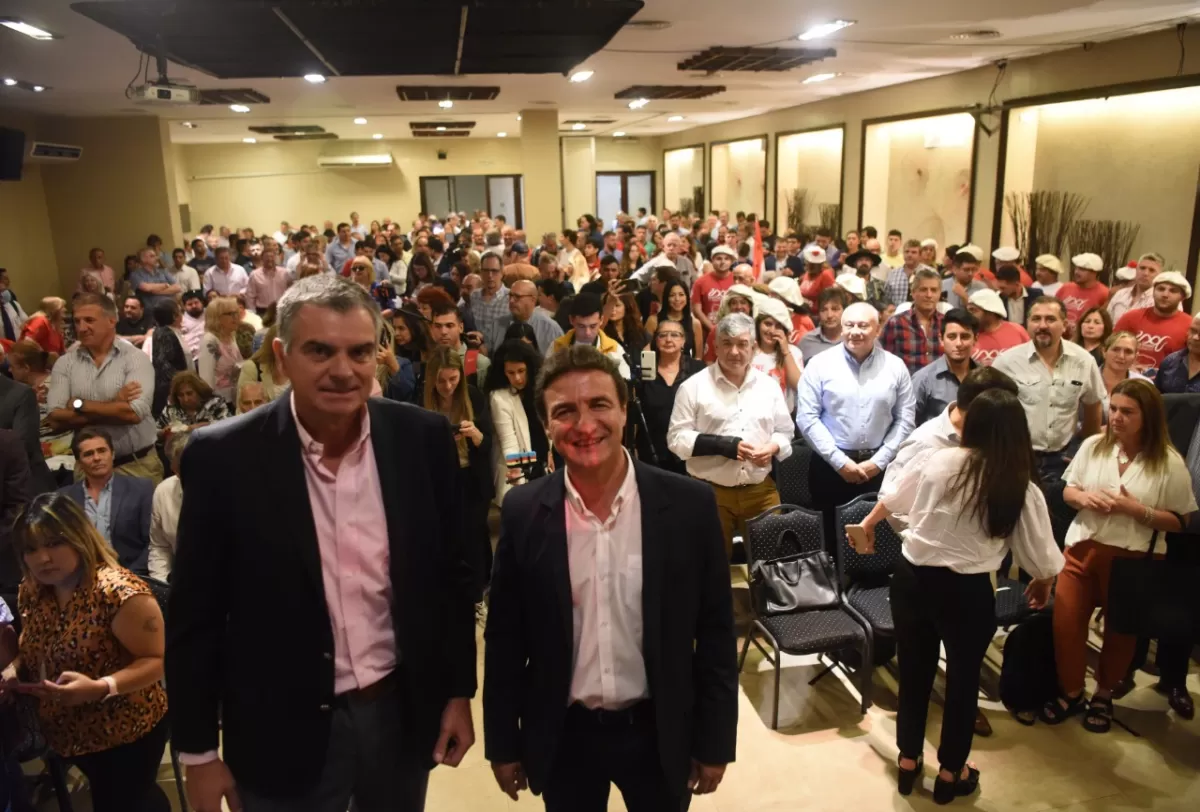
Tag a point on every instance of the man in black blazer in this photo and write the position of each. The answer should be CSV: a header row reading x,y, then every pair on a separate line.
x,y
320,605
123,513
19,412
611,654
15,491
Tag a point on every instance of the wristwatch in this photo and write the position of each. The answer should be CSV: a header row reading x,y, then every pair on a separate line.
x,y
77,405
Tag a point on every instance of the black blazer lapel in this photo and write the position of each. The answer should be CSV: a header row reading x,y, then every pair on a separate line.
x,y
554,552
299,531
114,508
393,483
654,562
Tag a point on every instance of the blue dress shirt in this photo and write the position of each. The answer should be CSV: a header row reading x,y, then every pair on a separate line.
x,y
99,511
844,404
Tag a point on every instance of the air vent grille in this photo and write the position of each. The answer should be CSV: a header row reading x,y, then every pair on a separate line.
x,y
284,129
592,121
436,134
419,93
306,137
754,59
449,125
233,95
670,92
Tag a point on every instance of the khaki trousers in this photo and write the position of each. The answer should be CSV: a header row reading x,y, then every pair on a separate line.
x,y
736,505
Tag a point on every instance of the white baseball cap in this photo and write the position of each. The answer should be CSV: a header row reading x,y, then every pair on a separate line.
x,y
787,289
1006,253
990,301
852,283
973,250
1089,262
724,249
814,255
1174,278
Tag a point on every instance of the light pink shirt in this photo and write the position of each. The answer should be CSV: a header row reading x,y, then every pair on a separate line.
x,y
105,275
347,509
264,289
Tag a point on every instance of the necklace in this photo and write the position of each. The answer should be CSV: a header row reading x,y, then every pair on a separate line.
x,y
1122,457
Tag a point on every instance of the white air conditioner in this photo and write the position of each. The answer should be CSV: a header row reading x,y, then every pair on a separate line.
x,y
56,153
355,161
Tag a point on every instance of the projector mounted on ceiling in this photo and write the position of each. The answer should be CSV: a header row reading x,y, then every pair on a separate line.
x,y
166,92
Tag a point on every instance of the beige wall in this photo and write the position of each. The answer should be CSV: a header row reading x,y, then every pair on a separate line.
x,y
739,176
1148,57
118,193
29,253
579,178
683,171
811,161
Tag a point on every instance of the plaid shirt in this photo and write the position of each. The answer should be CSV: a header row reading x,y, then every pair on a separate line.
x,y
490,315
903,337
896,287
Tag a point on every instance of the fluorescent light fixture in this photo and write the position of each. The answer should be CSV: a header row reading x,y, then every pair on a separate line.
x,y
441,129
38,88
582,75
360,120
619,134
26,29
445,104
819,77
314,78
638,104
190,125
675,118
249,140
10,82
378,136
825,29
239,108
502,135
578,125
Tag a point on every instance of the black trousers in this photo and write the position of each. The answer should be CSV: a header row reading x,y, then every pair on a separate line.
x,y
125,778
830,491
594,753
932,606
1051,467
476,540
1174,653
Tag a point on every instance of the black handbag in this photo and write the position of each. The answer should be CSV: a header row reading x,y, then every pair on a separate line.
x,y
1155,598
795,582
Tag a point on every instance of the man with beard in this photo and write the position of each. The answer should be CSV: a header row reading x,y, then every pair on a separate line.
x,y
863,262
1161,329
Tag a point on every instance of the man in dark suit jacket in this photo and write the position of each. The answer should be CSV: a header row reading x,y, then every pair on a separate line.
x,y
19,412
318,573
118,506
15,492
611,654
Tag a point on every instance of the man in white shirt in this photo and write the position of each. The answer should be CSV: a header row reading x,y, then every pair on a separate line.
x,y
193,323
285,230
671,255
728,423
1141,293
357,229
185,275
588,680
226,278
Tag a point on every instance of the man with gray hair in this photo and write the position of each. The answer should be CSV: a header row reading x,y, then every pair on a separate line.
x,y
360,577
1141,293
855,406
673,254
728,423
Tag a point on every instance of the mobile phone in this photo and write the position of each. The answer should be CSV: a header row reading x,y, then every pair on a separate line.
x,y
649,365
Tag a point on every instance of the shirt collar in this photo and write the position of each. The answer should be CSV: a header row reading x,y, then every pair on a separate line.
x,y
315,449
850,359
627,490
944,367
946,425
719,376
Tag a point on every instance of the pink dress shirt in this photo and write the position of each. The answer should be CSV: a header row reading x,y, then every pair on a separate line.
x,y
264,289
105,275
347,509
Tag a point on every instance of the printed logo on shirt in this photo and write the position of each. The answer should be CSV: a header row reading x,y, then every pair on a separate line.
x,y
985,357
1075,304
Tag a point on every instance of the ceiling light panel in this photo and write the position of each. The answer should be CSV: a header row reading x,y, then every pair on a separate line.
x,y
823,30
285,129
425,93
820,77
31,31
582,76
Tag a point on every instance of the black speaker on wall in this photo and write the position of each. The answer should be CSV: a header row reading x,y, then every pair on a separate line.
x,y
12,153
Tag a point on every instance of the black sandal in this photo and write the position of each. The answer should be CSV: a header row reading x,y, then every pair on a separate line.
x,y
1025,717
907,778
1098,718
946,791
1059,710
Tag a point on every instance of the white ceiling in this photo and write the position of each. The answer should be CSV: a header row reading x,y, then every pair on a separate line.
x,y
87,70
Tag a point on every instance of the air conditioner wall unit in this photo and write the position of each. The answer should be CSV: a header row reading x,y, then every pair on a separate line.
x,y
376,161
43,151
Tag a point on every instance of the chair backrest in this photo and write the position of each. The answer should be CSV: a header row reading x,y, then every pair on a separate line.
x,y
793,476
161,591
781,531
853,567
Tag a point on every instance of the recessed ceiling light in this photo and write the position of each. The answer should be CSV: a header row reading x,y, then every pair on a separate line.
x,y
239,108
638,104
819,77
314,78
441,129
26,29
582,75
619,134
825,29
675,118
378,136
249,140
360,120
445,104
518,118
190,125
981,33
38,88
502,135
578,125
10,82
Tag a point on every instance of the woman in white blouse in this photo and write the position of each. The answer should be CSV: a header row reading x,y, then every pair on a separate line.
x,y
220,359
164,513
509,382
1127,484
966,508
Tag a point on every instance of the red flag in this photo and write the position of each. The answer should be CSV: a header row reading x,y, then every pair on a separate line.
x,y
758,251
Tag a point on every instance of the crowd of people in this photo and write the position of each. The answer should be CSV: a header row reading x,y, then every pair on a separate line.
x,y
994,407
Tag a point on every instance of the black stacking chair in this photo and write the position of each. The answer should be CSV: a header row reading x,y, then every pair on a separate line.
x,y
161,591
792,474
785,530
866,577
1011,604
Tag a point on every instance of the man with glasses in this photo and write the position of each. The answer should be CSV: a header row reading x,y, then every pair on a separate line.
x,y
489,304
854,407
522,307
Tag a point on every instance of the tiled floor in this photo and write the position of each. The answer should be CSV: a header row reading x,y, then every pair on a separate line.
x,y
826,756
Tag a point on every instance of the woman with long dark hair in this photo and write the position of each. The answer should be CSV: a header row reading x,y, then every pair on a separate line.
x,y
509,385
421,274
965,509
623,322
675,307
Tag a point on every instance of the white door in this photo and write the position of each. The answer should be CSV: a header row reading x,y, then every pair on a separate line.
x,y
608,197
640,189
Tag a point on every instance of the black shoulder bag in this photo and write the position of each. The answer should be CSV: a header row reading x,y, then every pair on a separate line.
x,y
795,582
1155,598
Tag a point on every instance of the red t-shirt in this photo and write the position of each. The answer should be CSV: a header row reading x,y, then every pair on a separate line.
x,y
1158,337
989,345
1079,300
709,291
811,288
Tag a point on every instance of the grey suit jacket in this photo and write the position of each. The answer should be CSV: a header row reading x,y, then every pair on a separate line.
x,y
19,412
129,519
